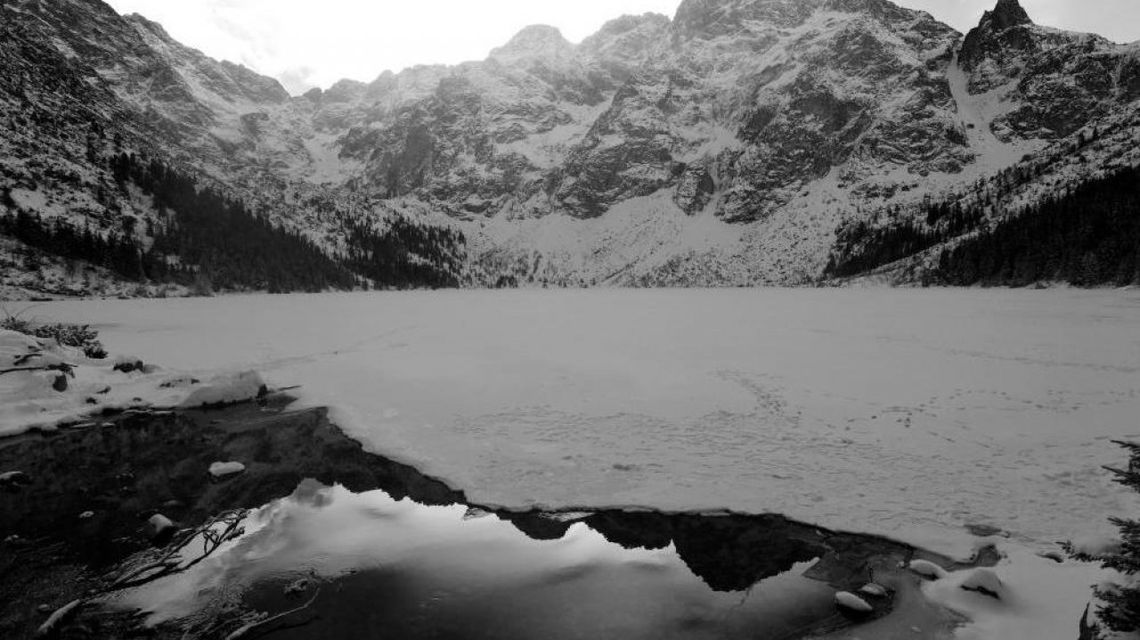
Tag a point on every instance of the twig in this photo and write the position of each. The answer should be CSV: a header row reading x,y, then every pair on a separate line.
x,y
57,617
62,368
18,369
245,631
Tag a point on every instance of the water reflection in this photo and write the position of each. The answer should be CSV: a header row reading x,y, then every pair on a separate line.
x,y
396,568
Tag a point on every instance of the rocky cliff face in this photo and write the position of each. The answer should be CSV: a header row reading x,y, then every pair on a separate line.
x,y
1055,82
722,146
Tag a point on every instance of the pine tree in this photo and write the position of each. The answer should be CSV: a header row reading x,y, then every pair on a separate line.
x,y
1120,608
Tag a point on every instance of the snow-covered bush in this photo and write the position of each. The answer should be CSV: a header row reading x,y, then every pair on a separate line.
x,y
69,335
73,335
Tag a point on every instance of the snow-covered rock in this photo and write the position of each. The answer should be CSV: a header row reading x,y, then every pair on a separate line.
x,y
227,389
851,602
927,569
983,581
874,590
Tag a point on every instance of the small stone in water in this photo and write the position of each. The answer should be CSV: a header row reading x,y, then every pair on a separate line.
x,y
874,590
852,602
928,569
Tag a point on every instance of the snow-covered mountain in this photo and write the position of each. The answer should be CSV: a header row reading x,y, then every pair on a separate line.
x,y
723,146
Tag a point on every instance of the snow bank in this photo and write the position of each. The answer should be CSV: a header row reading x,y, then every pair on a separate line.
x,y
1097,545
1040,599
45,384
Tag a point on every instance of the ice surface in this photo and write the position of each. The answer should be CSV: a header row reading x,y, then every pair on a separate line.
x,y
905,412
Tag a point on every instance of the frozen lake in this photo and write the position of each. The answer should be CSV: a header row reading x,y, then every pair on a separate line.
x,y
906,412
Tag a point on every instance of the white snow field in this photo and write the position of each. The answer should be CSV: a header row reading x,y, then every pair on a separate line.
x,y
911,413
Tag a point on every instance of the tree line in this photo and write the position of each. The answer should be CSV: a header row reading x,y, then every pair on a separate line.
x,y
203,239
1088,235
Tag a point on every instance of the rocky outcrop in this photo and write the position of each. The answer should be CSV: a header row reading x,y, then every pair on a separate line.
x,y
1054,81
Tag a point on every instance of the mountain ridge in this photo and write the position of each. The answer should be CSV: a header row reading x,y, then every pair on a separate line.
x,y
722,146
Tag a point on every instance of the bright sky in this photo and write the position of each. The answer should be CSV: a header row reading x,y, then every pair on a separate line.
x,y
307,43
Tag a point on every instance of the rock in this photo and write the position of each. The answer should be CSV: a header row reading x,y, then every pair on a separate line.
x,y
983,530
159,528
128,365
851,602
15,540
220,470
60,383
14,479
874,590
297,587
928,569
985,582
1055,556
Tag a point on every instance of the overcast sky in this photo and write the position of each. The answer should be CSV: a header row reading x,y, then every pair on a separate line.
x,y
308,43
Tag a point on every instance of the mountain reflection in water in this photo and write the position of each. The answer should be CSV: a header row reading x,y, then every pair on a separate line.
x,y
397,568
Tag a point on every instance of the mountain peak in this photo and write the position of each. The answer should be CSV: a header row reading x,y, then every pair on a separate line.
x,y
536,40
711,18
996,33
1007,13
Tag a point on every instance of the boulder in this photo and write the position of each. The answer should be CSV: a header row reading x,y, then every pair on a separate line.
x,y
159,528
222,470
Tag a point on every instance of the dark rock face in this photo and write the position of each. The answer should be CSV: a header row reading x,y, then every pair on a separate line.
x,y
1008,13
712,18
1059,82
997,33
694,189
